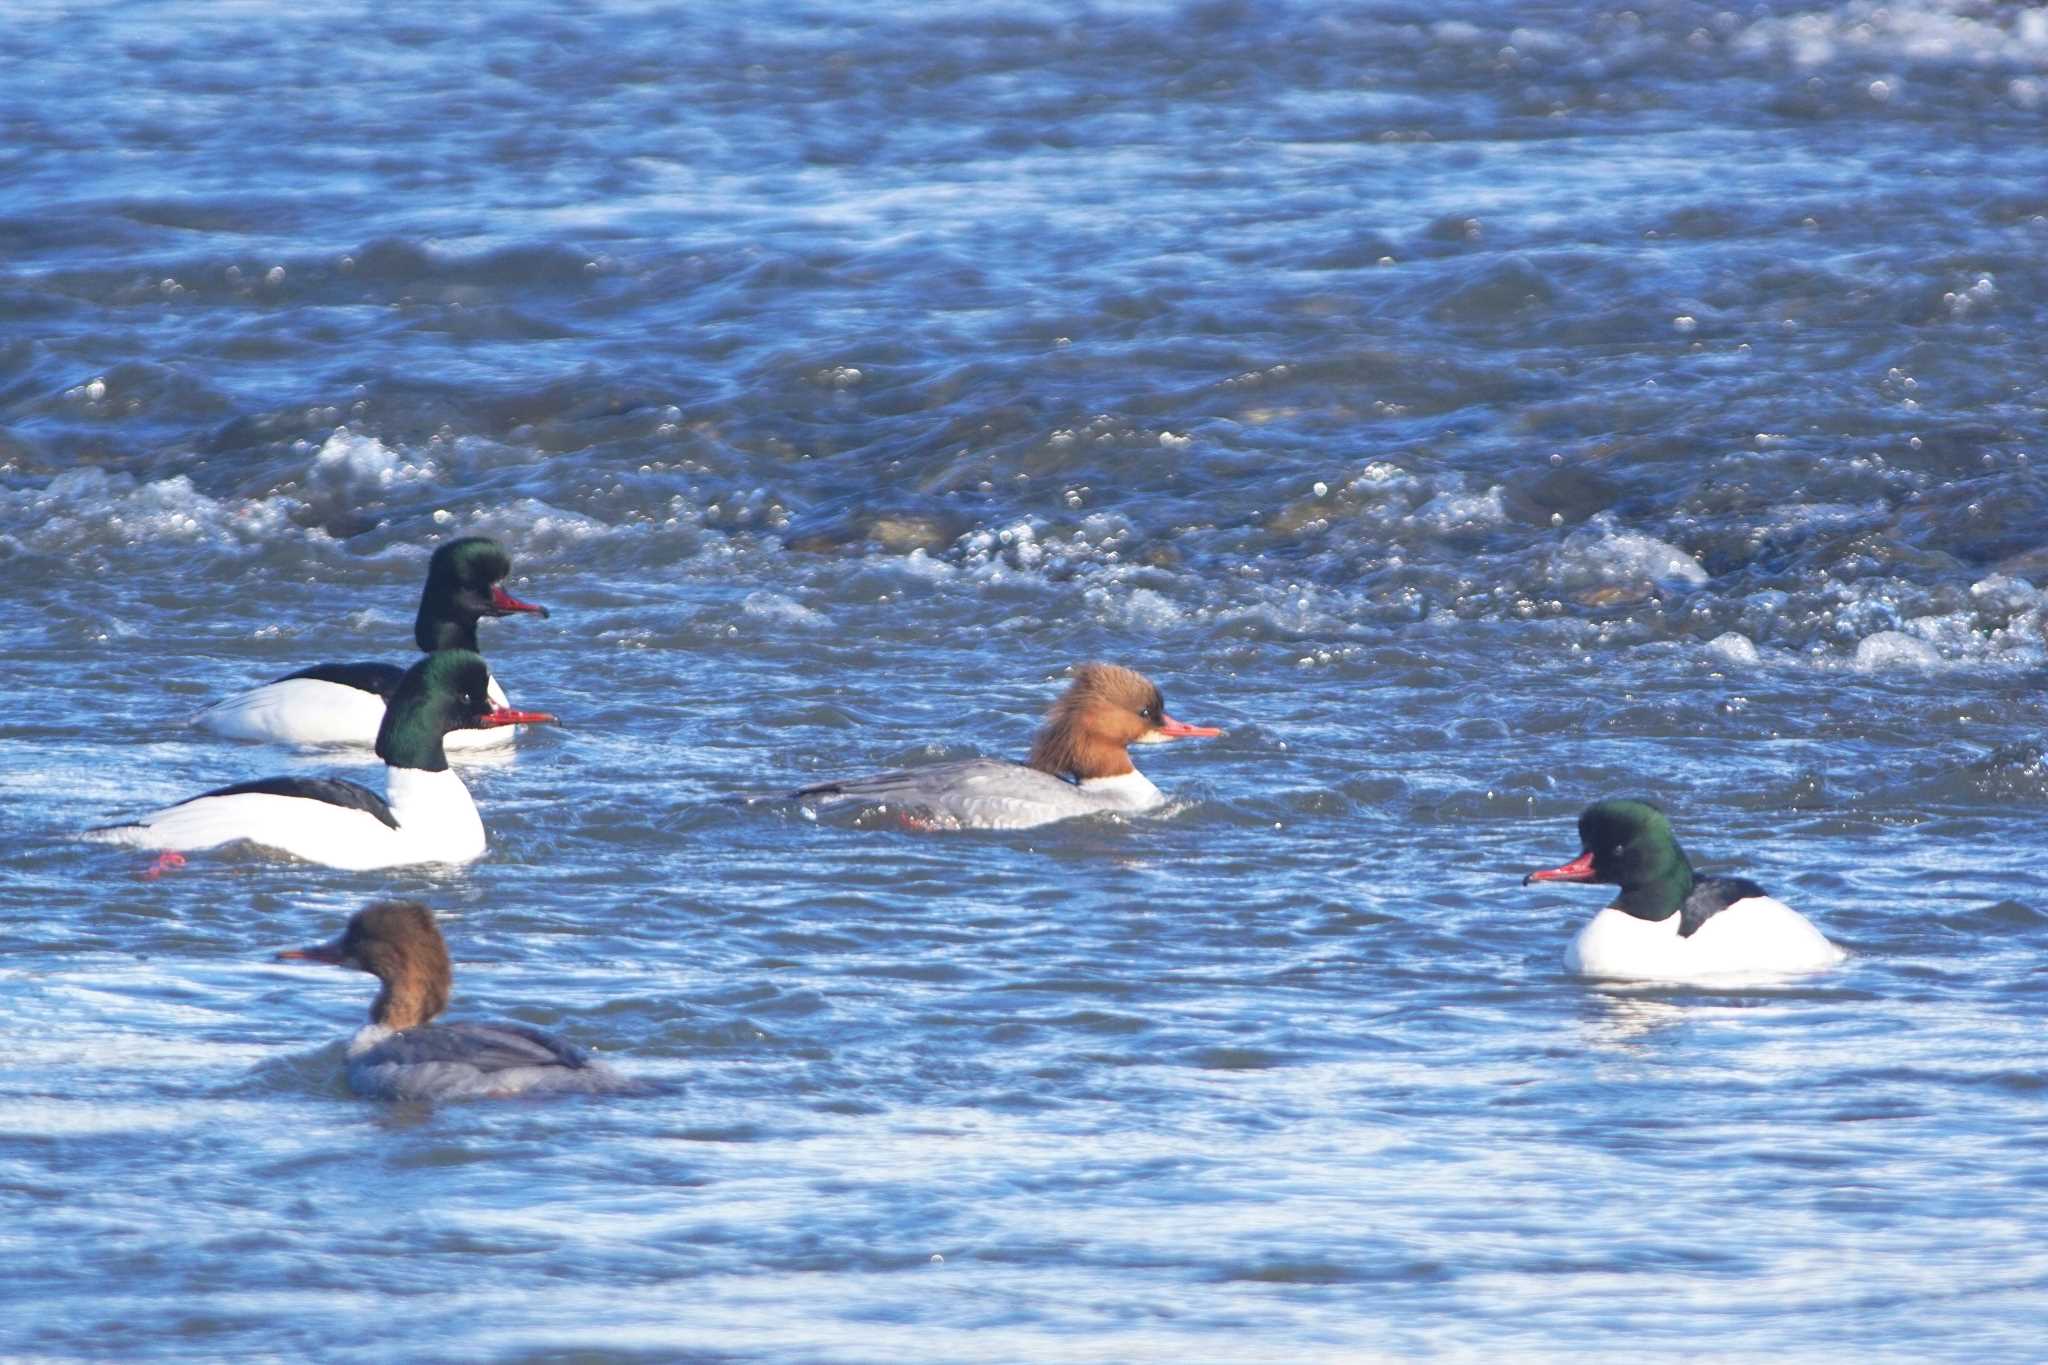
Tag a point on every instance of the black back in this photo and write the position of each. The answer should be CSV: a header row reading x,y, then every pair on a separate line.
x,y
1710,896
381,679
335,791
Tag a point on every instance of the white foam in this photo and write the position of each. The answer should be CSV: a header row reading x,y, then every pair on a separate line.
x,y
91,506
1462,511
773,606
1893,650
536,527
1935,31
348,458
1138,608
1600,552
920,564
2002,593
1734,650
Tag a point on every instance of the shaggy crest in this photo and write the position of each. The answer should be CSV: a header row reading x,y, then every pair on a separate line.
x,y
1086,732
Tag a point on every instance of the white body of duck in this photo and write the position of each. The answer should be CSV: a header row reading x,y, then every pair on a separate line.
x,y
426,815
1079,765
402,1055
1755,936
310,709
344,703
1670,925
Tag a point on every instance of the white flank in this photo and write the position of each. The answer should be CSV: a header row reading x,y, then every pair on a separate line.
x,y
309,711
437,823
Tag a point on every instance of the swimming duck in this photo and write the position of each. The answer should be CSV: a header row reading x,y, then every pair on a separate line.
x,y
402,1055
1080,764
1668,923
343,703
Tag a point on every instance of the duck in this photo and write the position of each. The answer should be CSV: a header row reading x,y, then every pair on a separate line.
x,y
401,1054
1080,764
1668,923
425,816
343,703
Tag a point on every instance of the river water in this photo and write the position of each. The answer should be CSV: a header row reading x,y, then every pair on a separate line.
x,y
1474,409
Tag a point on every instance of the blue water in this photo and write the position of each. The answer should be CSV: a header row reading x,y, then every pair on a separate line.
x,y
1475,409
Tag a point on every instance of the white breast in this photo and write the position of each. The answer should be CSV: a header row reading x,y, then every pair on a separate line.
x,y
1132,791
1754,937
436,815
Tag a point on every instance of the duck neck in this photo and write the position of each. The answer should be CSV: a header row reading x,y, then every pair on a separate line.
x,y
1658,895
1070,753
408,999
442,625
411,735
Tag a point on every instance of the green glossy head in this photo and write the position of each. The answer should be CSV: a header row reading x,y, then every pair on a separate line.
x,y
462,588
1628,844
447,690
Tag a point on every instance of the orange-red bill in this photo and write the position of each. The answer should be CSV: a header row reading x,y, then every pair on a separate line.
x,y
505,715
1579,869
329,953
1174,729
505,601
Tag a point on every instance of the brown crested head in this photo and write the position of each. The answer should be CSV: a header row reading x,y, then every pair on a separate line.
x,y
1106,709
398,943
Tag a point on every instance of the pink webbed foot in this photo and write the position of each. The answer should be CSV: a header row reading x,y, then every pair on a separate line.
x,y
165,862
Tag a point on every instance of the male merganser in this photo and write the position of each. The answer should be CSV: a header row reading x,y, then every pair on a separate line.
x,y
400,1055
1668,924
427,818
344,703
1079,764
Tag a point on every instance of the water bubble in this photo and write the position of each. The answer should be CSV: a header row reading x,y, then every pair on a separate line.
x,y
1684,322
936,1258
275,275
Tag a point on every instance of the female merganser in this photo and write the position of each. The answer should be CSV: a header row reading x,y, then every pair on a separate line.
x,y
344,703
1668,924
428,817
399,1055
1079,764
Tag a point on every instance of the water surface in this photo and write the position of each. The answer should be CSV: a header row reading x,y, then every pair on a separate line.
x,y
1475,409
